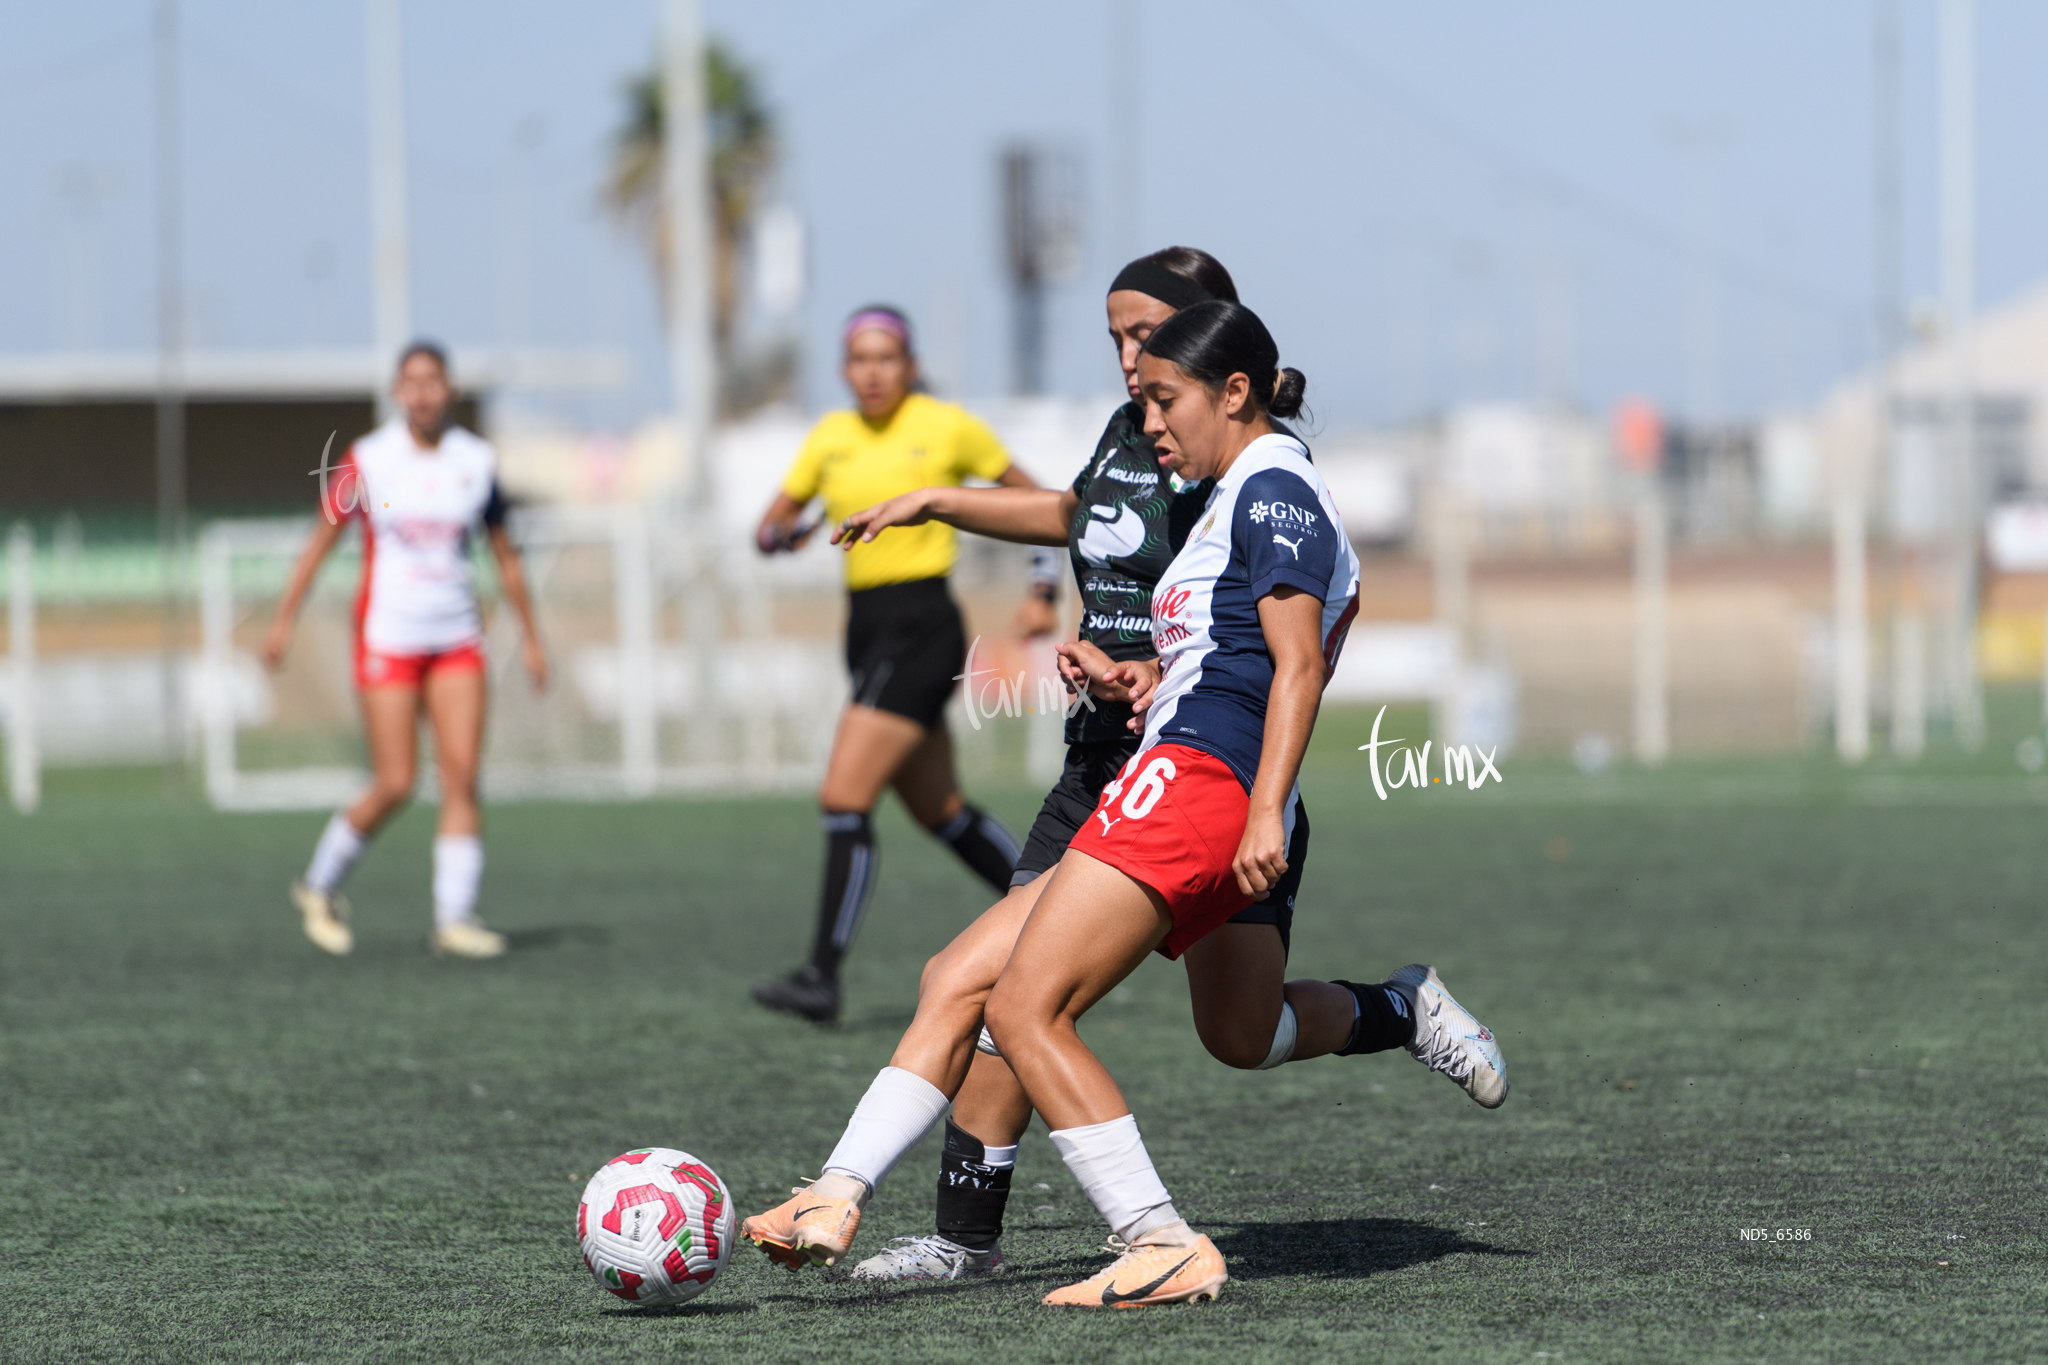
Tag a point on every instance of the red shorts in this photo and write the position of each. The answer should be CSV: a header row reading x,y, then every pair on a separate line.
x,y
377,669
1172,820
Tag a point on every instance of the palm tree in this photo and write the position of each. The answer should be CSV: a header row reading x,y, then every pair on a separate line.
x,y
742,136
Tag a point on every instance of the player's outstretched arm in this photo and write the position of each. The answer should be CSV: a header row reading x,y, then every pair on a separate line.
x,y
318,546
512,578
1292,622
1028,516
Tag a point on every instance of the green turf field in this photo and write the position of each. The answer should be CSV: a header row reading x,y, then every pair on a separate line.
x,y
1760,996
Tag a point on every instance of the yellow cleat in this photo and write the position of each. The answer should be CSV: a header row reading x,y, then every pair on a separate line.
x,y
466,938
1146,1275
324,916
809,1229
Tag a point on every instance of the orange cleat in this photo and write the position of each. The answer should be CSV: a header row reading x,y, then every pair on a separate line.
x,y
806,1230
1145,1275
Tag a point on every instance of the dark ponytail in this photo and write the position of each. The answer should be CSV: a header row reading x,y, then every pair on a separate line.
x,y
1216,339
1288,392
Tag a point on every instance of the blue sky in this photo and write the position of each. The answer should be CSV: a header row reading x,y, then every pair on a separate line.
x,y
1429,204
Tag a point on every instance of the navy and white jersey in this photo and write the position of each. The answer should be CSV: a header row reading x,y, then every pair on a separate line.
x,y
1270,521
1130,517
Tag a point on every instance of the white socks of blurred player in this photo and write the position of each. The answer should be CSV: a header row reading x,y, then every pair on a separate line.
x,y
458,869
339,847
899,1108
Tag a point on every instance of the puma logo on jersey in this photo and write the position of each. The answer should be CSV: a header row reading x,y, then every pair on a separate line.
x,y
1293,546
1107,823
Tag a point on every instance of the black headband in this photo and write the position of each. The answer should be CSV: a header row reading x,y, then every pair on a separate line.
x,y
1154,280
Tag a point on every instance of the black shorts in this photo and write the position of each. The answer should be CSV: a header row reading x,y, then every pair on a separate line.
x,y
905,647
1092,766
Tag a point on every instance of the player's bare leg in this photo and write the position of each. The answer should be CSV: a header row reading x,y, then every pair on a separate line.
x,y
1090,929
455,700
867,749
989,1116
1238,993
817,1226
955,985
390,726
391,730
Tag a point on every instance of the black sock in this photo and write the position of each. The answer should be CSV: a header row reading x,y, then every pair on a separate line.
x,y
972,1193
849,877
983,844
1384,1021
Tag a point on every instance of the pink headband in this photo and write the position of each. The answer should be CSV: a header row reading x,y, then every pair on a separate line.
x,y
874,320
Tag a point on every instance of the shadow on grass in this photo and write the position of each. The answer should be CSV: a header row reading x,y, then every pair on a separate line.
x,y
1335,1249
1344,1248
556,936
681,1310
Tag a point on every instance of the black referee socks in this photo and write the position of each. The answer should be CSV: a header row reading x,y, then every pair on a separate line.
x,y
849,877
1383,1022
972,1193
983,844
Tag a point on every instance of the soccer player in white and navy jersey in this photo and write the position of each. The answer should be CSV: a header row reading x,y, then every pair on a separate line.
x,y
1248,620
422,488
1123,521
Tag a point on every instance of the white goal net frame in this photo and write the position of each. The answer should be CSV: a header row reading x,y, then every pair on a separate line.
x,y
669,676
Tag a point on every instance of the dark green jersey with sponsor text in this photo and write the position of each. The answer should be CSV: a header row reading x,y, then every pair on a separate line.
x,y
1128,527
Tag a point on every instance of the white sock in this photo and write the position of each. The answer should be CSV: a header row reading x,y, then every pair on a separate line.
x,y
340,845
1002,1158
458,868
899,1108
1284,1035
1110,1161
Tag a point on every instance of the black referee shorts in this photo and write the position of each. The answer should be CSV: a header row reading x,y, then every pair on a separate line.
x,y
1091,767
905,647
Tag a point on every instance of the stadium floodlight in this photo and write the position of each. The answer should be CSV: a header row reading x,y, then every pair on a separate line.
x,y
390,250
1041,247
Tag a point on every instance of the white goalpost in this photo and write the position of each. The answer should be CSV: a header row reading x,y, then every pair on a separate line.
x,y
24,761
631,711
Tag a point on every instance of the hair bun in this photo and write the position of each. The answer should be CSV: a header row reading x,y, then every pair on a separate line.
x,y
1288,391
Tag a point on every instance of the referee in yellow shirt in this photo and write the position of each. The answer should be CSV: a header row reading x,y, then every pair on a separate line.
x,y
905,644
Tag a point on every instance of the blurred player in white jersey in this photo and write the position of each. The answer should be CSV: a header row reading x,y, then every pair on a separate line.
x,y
421,487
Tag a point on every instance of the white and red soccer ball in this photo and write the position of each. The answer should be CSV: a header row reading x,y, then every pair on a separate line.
x,y
656,1225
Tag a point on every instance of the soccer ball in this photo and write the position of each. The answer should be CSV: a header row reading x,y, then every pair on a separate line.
x,y
656,1225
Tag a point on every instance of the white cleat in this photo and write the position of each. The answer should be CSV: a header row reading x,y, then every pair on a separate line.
x,y
324,916
1449,1039
930,1257
466,938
